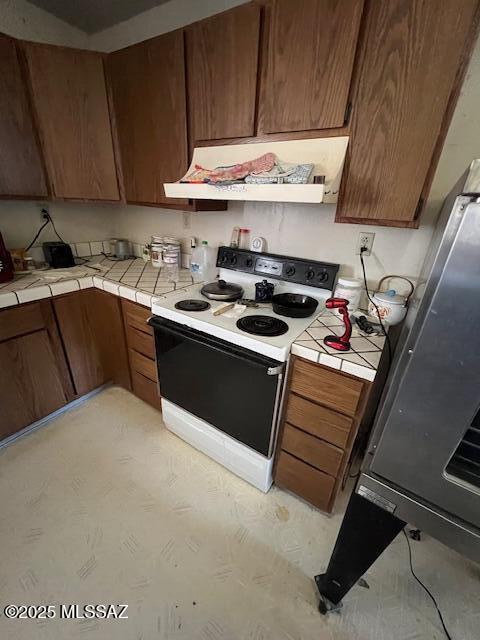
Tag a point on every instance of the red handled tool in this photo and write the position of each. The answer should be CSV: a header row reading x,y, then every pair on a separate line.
x,y
340,343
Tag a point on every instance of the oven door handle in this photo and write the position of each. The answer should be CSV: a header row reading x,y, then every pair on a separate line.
x,y
203,339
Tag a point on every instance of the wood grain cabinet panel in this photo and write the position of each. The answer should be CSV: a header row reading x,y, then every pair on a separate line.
x,y
105,313
408,68
79,340
318,421
71,105
34,376
316,452
21,165
30,382
136,316
311,50
222,66
142,364
325,386
311,484
146,389
148,87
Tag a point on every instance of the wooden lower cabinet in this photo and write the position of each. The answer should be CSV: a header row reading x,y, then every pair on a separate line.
x,y
141,352
34,377
90,323
323,412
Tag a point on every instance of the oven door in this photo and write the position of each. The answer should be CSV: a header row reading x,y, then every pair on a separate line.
x,y
232,388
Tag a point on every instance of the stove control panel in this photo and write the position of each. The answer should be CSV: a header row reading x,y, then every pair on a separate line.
x,y
307,272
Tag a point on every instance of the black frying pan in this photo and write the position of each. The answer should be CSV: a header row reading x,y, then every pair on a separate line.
x,y
294,305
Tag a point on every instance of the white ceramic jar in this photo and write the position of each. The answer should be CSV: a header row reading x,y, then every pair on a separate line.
x,y
351,290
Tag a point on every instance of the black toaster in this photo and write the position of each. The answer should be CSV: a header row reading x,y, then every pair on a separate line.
x,y
58,255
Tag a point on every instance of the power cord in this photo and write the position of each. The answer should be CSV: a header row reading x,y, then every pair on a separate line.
x,y
424,587
387,337
48,220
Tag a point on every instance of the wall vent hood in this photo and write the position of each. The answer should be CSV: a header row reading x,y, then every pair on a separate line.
x,y
326,154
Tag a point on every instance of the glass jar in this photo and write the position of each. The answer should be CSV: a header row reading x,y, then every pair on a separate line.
x,y
171,257
351,289
156,251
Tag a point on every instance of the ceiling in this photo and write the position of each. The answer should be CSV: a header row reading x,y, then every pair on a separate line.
x,y
95,15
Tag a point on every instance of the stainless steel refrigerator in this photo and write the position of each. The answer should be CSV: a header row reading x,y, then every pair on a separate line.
x,y
422,464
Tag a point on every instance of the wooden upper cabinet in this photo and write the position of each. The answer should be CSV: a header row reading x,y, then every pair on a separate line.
x,y
222,70
411,62
71,106
148,86
21,168
310,54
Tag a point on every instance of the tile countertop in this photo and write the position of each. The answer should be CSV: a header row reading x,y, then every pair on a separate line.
x,y
361,361
133,279
138,281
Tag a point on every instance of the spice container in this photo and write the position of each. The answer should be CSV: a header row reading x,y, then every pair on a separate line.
x,y
156,251
351,290
244,239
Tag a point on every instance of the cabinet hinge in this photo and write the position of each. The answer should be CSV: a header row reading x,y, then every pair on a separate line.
x,y
348,111
419,208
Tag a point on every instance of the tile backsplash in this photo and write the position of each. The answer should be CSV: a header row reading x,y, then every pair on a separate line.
x,y
85,249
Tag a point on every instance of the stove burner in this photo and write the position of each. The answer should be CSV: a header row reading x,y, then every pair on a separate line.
x,y
192,305
262,325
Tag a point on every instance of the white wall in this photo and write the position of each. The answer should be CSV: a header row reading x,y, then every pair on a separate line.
x,y
305,230
23,20
19,222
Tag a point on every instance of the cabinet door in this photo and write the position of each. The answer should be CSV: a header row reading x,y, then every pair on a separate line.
x,y
30,382
311,50
71,105
222,65
409,65
148,86
77,330
105,312
21,168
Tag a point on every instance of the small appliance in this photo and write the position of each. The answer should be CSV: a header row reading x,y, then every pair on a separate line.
x,y
58,255
340,343
6,264
391,306
120,249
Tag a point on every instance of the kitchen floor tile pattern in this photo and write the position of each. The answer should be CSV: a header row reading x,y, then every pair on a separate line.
x,y
105,505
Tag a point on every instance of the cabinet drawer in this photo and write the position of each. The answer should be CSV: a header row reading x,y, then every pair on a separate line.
x,y
18,321
145,389
325,386
300,478
141,342
136,316
316,452
142,364
319,421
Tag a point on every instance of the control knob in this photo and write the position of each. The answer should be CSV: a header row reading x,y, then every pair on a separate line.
x,y
310,274
290,270
323,276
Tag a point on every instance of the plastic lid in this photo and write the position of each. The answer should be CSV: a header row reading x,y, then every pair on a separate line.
x,y
349,282
390,297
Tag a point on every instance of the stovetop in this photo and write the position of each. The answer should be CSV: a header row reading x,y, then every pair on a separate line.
x,y
224,327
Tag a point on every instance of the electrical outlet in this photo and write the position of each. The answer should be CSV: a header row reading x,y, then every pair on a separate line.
x,y
365,239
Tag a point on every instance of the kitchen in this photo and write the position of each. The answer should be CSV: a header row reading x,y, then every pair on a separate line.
x,y
65,335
